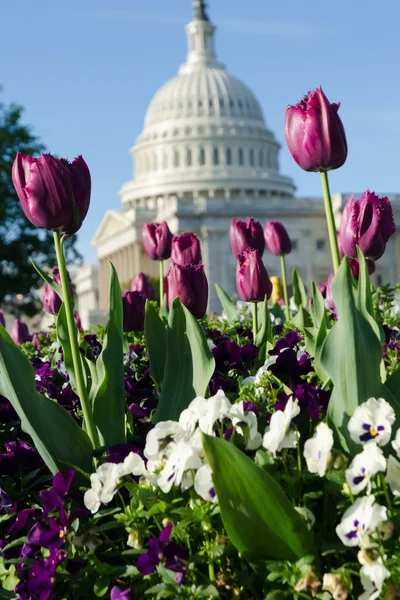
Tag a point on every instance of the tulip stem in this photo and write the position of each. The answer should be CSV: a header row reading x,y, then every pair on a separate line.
x,y
330,220
73,340
255,320
285,288
161,282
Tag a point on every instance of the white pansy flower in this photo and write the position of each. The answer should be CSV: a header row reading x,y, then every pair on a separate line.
x,y
243,310
307,515
279,435
361,518
189,417
396,443
245,423
161,435
271,360
210,344
364,466
181,458
372,577
317,450
203,484
372,422
105,481
393,475
217,408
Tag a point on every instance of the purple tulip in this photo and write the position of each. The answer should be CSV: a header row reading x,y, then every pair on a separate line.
x,y
277,238
185,249
367,223
246,234
157,240
133,306
20,332
140,283
329,298
315,134
322,288
78,322
252,280
355,267
189,284
2,319
54,193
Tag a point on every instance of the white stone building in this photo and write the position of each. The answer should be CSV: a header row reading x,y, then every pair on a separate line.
x,y
206,155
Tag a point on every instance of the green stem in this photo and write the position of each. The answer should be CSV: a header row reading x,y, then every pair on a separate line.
x,y
383,483
161,266
285,288
73,340
255,320
330,220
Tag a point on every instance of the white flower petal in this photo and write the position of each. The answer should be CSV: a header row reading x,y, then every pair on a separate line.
x,y
317,450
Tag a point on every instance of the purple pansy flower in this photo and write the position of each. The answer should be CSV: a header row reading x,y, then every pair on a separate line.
x,y
227,356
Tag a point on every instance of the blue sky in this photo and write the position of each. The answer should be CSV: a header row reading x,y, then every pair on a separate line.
x,y
85,70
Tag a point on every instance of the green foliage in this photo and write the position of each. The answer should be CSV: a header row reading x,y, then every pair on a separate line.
x,y
299,291
156,343
258,517
189,363
228,306
20,241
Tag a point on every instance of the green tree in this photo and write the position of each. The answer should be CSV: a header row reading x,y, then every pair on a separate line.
x,y
20,241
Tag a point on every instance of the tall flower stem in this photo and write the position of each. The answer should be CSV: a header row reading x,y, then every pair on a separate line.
x,y
285,288
73,340
255,320
161,266
330,220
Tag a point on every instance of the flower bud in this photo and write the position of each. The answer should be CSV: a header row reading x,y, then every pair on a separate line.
x,y
37,338
20,332
133,304
328,295
315,134
277,238
157,240
51,301
54,193
252,280
78,322
140,283
367,223
246,234
189,284
185,249
2,319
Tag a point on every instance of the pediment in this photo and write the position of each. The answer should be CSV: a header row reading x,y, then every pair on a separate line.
x,y
113,223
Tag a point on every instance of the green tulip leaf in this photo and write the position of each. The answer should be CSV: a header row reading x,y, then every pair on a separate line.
x,y
108,396
49,280
364,296
156,343
57,437
302,319
189,364
264,334
318,309
63,339
299,291
228,305
257,515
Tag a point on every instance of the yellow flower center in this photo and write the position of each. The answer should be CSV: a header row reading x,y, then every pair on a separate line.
x,y
61,534
373,432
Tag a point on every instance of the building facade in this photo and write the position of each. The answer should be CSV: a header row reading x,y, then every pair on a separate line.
x,y
206,155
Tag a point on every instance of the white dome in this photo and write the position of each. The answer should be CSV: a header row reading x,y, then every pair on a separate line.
x,y
202,92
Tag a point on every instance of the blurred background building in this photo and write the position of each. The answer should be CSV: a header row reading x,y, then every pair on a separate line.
x,y
206,155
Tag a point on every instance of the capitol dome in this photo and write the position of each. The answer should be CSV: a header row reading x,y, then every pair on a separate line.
x,y
204,130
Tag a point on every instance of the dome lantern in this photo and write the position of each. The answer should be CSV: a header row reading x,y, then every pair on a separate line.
x,y
200,32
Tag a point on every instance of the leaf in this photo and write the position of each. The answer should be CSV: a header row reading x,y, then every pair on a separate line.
x,y
393,383
55,434
156,343
351,357
109,397
257,515
299,291
302,318
318,309
228,306
364,296
264,334
49,280
189,364
63,339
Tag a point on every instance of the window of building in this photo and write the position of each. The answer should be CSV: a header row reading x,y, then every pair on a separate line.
x,y
295,244
215,156
251,157
241,156
176,158
165,160
188,157
261,158
320,244
228,157
202,157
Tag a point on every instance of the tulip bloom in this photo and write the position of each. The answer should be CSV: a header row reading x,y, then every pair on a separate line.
x,y
133,304
246,234
185,249
252,280
20,332
277,238
51,300
189,284
140,283
157,240
315,134
2,319
367,223
54,193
